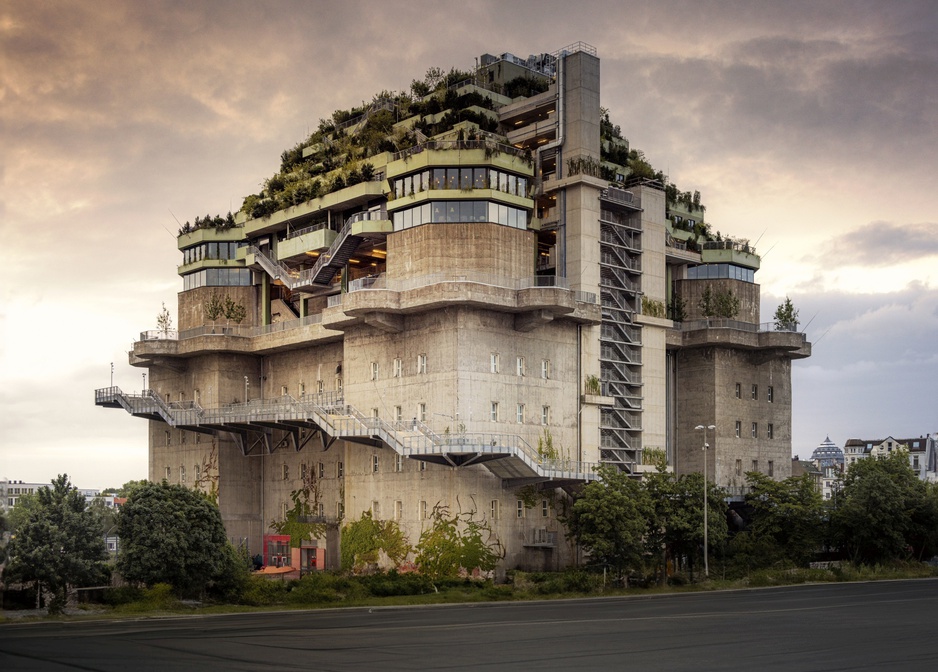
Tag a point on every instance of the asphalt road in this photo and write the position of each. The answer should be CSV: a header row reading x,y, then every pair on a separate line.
x,y
863,626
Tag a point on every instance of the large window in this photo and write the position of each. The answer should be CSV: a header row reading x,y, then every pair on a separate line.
x,y
224,250
438,212
717,271
464,178
217,277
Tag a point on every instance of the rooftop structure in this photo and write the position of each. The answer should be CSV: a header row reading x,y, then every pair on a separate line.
x,y
469,296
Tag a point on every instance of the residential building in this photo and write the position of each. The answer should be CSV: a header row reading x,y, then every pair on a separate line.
x,y
469,298
920,451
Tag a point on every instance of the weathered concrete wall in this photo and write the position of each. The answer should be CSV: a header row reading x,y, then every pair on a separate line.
x,y
706,394
461,248
192,305
692,292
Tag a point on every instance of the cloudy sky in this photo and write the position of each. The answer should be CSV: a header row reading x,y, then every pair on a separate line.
x,y
810,127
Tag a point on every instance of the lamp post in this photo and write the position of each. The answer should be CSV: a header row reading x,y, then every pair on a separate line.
x,y
144,383
246,384
705,446
112,374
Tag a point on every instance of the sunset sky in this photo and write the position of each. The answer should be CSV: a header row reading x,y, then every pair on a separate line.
x,y
810,128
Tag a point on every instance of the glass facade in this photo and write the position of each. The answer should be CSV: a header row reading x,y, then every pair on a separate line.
x,y
439,212
217,277
461,178
718,271
196,253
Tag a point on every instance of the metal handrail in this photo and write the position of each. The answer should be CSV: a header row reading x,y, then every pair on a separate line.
x,y
342,420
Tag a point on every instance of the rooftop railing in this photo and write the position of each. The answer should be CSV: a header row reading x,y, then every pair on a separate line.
x,y
485,143
723,323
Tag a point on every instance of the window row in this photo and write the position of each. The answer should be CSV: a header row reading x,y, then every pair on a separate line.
x,y
217,277
397,367
461,178
520,413
424,512
495,366
438,212
308,472
770,467
754,393
210,251
721,271
196,474
754,430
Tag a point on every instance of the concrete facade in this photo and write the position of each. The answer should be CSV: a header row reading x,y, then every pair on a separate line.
x,y
397,357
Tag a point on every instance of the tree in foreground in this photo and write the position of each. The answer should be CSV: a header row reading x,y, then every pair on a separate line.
x,y
610,520
365,539
676,530
56,543
787,522
884,512
456,543
170,534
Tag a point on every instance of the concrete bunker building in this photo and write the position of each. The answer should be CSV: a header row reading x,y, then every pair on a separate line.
x,y
469,298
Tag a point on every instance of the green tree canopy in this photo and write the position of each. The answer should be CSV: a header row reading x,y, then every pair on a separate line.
x,y
610,519
456,542
170,534
364,539
787,519
786,316
885,512
677,525
56,542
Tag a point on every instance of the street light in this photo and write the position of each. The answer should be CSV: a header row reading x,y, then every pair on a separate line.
x,y
705,446
144,383
246,384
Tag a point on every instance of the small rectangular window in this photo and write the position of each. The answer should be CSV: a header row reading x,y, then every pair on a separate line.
x,y
423,465
421,364
519,366
494,509
304,471
321,386
739,467
422,511
302,389
771,468
519,414
493,412
545,415
374,413
739,390
398,462
422,412
520,506
375,510
374,370
374,464
339,510
169,438
494,362
755,430
545,508
168,473
398,509
755,392
398,414
755,465
545,369
339,469
770,431
322,510
283,390
398,367
182,474
322,470
284,472
770,394
739,428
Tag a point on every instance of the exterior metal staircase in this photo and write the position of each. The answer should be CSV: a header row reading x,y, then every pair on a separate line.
x,y
251,424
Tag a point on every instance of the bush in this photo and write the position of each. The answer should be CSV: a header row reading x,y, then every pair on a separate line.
x,y
259,591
